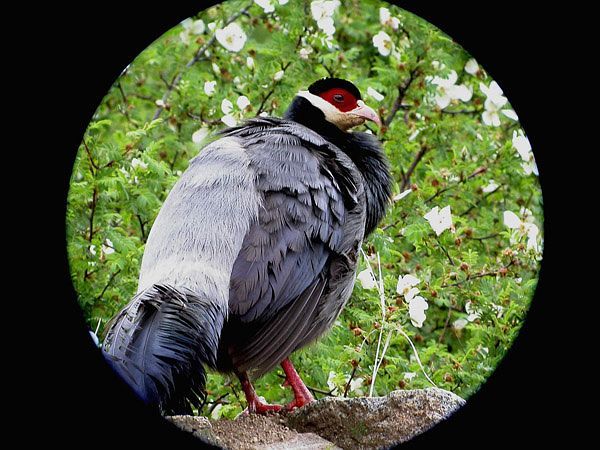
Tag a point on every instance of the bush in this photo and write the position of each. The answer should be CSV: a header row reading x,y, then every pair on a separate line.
x,y
467,212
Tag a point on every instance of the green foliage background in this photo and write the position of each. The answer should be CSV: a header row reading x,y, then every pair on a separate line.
x,y
112,203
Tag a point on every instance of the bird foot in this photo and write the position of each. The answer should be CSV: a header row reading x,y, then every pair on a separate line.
x,y
302,395
299,402
258,407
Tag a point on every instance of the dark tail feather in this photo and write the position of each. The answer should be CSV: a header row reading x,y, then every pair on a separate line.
x,y
159,344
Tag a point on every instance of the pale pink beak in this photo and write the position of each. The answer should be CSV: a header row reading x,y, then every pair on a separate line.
x,y
368,113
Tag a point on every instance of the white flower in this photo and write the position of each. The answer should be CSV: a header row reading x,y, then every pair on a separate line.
x,y
383,42
199,135
408,376
210,87
278,75
266,5
322,11
491,114
138,163
366,279
242,102
264,114
304,52
385,18
107,247
92,249
416,311
494,93
160,102
355,385
226,106
439,219
448,90
229,120
232,37
330,382
376,95
216,69
406,287
191,27
211,26
471,66
459,324
494,105
524,227
473,313
250,62
523,147
491,187
401,195
216,412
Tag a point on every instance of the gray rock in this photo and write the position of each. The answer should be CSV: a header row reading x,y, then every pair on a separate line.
x,y
331,423
376,422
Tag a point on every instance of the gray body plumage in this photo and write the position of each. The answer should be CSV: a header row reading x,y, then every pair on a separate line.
x,y
264,227
258,221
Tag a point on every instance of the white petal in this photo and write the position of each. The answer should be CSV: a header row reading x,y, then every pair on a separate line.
x,y
376,95
232,37
461,92
265,5
229,120
412,292
187,23
491,187
384,15
409,375
243,102
442,100
226,106
511,114
199,135
511,220
210,87
197,27
416,311
471,66
401,195
278,75
459,324
366,279
250,62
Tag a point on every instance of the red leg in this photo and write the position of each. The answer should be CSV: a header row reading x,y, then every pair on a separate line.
x,y
302,395
254,403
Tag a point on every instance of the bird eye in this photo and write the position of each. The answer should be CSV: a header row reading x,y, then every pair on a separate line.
x,y
338,98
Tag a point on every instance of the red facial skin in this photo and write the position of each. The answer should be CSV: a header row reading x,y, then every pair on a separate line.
x,y
346,103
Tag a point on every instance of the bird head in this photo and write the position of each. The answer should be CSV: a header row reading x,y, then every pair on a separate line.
x,y
340,102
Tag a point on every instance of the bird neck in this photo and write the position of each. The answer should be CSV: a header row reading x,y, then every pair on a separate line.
x,y
363,149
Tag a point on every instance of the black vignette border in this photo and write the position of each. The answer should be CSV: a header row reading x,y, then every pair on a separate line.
x,y
96,43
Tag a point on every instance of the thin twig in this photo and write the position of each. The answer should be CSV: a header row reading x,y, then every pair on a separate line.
x,y
402,90
112,277
347,387
413,166
445,251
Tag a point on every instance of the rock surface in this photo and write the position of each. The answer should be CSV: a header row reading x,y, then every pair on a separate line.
x,y
330,423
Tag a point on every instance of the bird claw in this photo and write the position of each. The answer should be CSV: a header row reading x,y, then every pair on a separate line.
x,y
258,407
